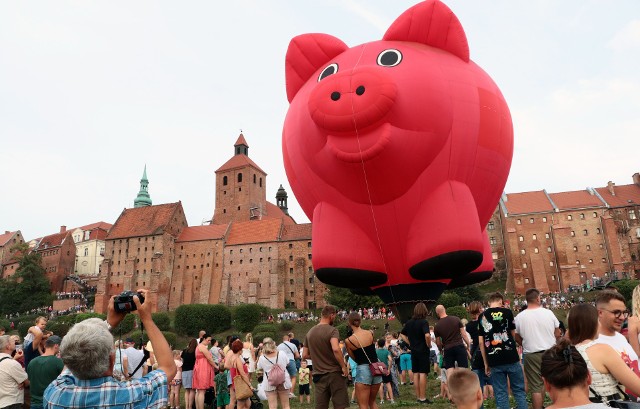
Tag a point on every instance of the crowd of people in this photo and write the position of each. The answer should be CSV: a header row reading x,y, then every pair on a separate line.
x,y
497,354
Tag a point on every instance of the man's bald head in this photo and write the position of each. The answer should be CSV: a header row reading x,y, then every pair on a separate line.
x,y
440,311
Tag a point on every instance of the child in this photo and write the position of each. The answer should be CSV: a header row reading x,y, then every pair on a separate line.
x,y
353,366
464,388
174,396
303,381
41,324
222,390
34,340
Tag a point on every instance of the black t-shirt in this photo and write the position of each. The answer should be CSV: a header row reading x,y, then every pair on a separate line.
x,y
415,330
476,355
295,342
188,360
496,325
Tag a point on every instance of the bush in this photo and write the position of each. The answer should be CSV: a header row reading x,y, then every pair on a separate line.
x,y
192,318
625,287
247,316
286,326
126,325
162,320
468,293
342,330
6,324
458,311
58,328
171,337
66,319
86,315
23,328
450,299
263,331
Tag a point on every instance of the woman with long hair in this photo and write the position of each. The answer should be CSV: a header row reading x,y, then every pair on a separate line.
x,y
567,377
203,370
239,367
188,362
269,358
634,321
361,347
608,370
249,354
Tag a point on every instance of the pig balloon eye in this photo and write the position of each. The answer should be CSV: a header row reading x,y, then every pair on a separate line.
x,y
389,58
330,70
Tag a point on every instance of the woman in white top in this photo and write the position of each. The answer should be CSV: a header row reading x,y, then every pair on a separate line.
x,y
249,354
606,367
270,357
634,321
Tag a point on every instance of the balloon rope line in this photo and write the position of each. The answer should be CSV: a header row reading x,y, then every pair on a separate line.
x,y
366,180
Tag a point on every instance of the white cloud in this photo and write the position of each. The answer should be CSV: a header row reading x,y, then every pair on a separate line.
x,y
627,39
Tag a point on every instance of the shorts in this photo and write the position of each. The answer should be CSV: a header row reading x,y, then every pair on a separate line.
x,y
405,362
223,399
532,370
304,389
456,357
291,368
297,361
187,379
420,362
433,357
363,376
331,387
387,378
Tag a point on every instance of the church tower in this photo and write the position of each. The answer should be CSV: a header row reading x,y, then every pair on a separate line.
x,y
143,198
281,200
240,187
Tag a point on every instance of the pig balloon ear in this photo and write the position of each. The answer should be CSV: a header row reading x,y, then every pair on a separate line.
x,y
432,23
306,54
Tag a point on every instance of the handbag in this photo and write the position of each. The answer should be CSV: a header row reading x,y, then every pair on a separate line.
x,y
376,368
243,389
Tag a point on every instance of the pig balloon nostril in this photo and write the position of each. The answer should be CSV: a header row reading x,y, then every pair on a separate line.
x,y
335,95
360,90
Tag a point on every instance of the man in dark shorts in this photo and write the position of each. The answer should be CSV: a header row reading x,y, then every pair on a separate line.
x,y
330,371
416,334
451,338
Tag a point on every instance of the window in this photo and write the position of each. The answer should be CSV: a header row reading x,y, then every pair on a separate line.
x,y
239,177
595,214
638,232
553,278
585,232
604,260
309,256
581,216
575,248
260,182
254,178
494,255
601,246
534,237
536,250
290,271
520,238
492,240
491,226
86,251
544,219
598,230
526,281
590,261
548,249
588,247
290,258
632,214
551,264
523,251
225,181
290,245
518,221
531,220
309,244
547,235
569,217
577,261
573,233
524,265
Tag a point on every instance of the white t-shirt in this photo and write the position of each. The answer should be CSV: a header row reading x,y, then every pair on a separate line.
x,y
537,327
265,365
11,375
622,347
134,356
289,349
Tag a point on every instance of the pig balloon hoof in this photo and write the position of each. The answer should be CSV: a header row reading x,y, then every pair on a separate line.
x,y
448,265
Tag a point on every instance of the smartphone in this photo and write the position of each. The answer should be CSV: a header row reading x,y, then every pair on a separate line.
x,y
18,347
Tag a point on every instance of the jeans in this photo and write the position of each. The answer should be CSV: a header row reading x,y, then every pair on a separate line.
x,y
481,377
499,376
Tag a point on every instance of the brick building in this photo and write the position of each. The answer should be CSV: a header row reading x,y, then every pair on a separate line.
x,y
251,252
8,264
58,252
554,241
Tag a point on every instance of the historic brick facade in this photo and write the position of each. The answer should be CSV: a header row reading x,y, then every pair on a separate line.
x,y
58,252
7,241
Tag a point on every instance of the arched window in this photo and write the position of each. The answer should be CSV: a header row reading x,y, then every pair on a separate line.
x,y
239,177
225,180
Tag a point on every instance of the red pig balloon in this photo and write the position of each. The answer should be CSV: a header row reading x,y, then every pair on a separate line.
x,y
398,151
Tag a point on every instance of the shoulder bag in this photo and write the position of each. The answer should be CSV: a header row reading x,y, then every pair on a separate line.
x,y
243,389
376,368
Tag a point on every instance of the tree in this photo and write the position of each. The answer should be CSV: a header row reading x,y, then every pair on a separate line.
x,y
346,300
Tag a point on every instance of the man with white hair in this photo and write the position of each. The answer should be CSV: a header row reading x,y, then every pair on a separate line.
x,y
88,354
13,378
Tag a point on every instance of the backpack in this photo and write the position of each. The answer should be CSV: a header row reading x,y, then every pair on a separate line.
x,y
276,375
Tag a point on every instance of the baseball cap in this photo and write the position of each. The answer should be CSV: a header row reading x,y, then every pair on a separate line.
x,y
53,340
129,340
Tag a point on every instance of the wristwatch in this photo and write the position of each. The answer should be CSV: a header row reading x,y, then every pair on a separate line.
x,y
108,325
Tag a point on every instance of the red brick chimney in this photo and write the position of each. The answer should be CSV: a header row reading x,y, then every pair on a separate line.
x,y
636,179
7,232
610,186
63,229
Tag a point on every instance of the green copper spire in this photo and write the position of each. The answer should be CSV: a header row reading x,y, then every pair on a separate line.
x,y
143,198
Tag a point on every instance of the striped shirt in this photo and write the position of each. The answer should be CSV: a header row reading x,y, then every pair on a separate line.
x,y
67,391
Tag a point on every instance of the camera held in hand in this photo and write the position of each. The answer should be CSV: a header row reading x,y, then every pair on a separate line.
x,y
124,301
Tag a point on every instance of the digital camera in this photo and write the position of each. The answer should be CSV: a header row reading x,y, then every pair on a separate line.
x,y
124,301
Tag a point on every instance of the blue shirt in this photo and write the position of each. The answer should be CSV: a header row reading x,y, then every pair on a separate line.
x,y
67,391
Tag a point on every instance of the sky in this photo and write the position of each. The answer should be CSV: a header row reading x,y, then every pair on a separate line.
x,y
91,92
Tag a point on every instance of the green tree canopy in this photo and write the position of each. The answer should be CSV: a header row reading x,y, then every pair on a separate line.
x,y
346,300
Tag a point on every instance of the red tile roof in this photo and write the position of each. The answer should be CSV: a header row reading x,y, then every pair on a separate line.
x,y
197,233
98,234
274,212
239,161
97,225
254,231
528,202
241,141
143,221
575,200
625,195
53,240
4,238
296,232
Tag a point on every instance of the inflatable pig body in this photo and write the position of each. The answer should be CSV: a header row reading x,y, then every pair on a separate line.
x,y
398,151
